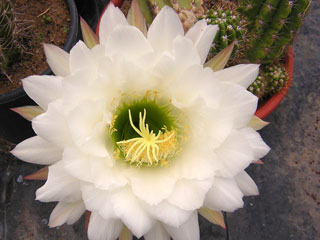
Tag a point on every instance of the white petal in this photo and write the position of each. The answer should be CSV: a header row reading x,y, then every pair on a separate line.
x,y
103,229
58,59
234,155
76,164
97,200
38,151
81,58
88,127
242,74
59,186
189,194
164,29
239,103
187,231
195,162
152,185
224,195
184,52
157,233
107,177
129,209
246,184
259,147
202,36
43,89
66,213
52,125
109,21
127,41
168,214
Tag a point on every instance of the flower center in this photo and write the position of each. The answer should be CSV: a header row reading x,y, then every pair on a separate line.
x,y
149,148
146,133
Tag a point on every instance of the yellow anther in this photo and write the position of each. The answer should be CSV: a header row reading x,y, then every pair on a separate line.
x,y
149,148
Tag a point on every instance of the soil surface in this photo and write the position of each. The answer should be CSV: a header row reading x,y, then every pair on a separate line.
x,y
39,21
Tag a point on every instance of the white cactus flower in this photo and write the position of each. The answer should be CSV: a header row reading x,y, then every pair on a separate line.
x,y
138,132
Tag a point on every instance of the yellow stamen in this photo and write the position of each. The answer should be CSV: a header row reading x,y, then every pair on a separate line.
x,y
149,148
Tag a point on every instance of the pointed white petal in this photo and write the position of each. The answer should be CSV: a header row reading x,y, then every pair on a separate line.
x,y
58,59
239,103
164,28
43,89
66,213
234,155
109,21
242,74
38,151
224,195
192,190
52,125
89,128
259,147
130,211
127,41
81,58
59,186
185,53
77,164
152,185
187,231
103,229
202,36
246,184
168,214
97,200
157,233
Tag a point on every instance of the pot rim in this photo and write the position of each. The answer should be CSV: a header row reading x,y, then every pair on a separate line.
x,y
70,40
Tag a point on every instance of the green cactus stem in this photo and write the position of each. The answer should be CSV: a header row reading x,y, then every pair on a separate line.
x,y
231,29
274,29
258,87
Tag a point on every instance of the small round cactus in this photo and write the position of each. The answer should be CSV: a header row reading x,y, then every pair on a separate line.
x,y
271,79
258,87
277,78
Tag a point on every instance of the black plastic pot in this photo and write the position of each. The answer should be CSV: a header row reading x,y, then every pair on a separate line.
x,y
14,128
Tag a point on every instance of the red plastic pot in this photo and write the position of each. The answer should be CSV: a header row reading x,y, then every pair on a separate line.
x,y
272,103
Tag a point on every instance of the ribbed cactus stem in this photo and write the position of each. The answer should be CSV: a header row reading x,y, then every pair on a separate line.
x,y
274,27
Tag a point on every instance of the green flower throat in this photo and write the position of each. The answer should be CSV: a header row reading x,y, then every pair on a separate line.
x,y
145,133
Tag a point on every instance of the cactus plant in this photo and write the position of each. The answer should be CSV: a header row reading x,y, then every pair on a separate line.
x,y
231,29
188,10
273,25
9,46
272,78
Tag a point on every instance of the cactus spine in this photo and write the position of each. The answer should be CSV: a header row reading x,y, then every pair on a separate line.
x,y
276,24
9,46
